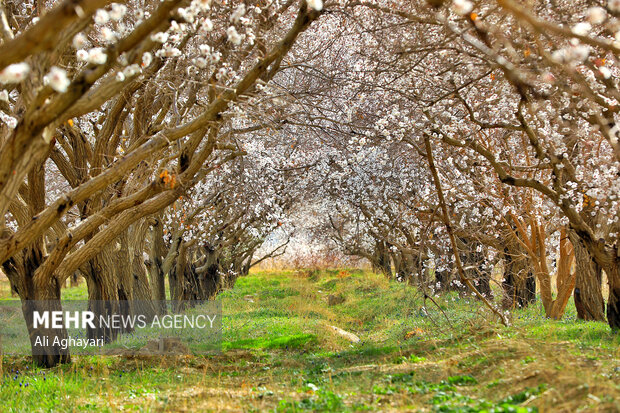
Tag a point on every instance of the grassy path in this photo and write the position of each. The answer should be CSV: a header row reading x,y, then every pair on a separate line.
x,y
280,353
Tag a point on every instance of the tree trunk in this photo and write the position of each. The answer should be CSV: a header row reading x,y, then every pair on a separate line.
x,y
176,280
75,279
443,278
142,294
47,350
407,268
473,258
565,278
155,266
41,298
398,264
588,293
519,283
209,274
613,304
103,299
382,257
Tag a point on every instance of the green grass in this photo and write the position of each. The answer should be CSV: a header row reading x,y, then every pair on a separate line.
x,y
295,341
279,354
94,379
75,293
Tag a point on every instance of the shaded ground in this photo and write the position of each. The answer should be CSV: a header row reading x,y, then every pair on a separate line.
x,y
281,354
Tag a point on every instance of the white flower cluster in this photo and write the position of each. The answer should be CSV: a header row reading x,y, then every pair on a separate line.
x,y
57,79
462,7
14,73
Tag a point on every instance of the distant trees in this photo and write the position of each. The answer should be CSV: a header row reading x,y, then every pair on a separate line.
x,y
514,102
520,112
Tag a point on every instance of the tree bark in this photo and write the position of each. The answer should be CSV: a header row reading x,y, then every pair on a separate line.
x,y
50,353
519,282
588,292
613,304
36,297
473,257
103,296
155,265
382,257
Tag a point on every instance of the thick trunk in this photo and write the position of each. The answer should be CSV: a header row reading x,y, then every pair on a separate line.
x,y
519,283
142,293
443,276
382,259
46,343
75,279
245,268
209,274
613,304
103,297
398,265
473,257
37,297
190,284
588,293
155,267
157,279
177,280
406,268
442,281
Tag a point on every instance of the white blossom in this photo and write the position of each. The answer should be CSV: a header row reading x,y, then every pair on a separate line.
x,y
207,26
120,76
605,72
201,62
57,79
108,35
462,7
221,73
160,37
102,17
614,5
131,70
14,73
203,5
580,53
171,52
238,13
205,49
81,55
118,11
147,58
187,14
315,4
233,37
581,29
4,96
596,15
11,122
215,57
79,40
97,56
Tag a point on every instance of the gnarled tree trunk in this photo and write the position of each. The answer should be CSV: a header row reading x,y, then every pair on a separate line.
x,y
519,283
381,259
588,292
103,295
37,297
